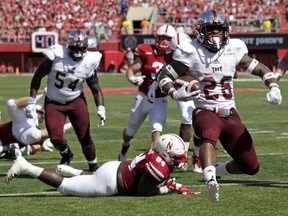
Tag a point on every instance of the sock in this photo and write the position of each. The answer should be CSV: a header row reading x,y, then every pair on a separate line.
x,y
221,169
32,170
1,149
196,150
187,146
209,173
65,151
126,143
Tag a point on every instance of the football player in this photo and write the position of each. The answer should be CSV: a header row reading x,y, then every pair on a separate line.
x,y
149,59
22,132
282,67
67,67
212,59
185,109
147,174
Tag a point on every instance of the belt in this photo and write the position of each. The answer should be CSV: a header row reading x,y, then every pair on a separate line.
x,y
221,111
120,186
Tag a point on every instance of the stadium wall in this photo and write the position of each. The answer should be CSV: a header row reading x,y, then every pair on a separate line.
x,y
266,47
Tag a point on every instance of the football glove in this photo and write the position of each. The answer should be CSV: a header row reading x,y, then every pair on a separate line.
x,y
30,109
183,190
182,95
274,95
47,145
101,112
136,80
152,92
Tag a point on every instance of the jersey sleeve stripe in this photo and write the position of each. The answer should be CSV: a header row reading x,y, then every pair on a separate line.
x,y
154,172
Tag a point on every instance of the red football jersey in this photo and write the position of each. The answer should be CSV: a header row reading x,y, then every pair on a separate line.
x,y
148,162
152,62
6,135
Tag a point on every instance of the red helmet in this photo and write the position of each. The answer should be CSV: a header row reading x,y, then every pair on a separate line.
x,y
164,31
77,44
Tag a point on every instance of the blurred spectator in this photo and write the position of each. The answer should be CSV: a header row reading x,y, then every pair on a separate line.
x,y
124,8
126,27
10,68
127,61
144,26
267,24
3,67
111,67
101,33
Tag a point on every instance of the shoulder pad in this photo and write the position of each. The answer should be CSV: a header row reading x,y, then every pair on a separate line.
x,y
54,51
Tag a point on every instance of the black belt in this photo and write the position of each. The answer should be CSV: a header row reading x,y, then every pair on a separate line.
x,y
120,186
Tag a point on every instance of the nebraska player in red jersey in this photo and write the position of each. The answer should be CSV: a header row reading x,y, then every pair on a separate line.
x,y
147,174
149,59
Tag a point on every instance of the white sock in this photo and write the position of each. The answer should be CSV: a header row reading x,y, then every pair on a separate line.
x,y
196,150
221,169
93,161
1,149
187,144
209,173
33,171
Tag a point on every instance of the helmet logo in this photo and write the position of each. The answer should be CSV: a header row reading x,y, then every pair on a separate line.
x,y
169,145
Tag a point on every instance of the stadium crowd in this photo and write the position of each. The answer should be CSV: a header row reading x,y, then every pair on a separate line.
x,y
22,17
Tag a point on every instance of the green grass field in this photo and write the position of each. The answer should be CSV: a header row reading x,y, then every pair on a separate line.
x,y
262,194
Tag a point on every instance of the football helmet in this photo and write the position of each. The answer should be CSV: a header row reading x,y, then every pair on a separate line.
x,y
172,149
77,44
164,31
212,30
179,38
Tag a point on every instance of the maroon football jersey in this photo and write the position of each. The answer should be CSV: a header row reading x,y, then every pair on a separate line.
x,y
148,162
152,62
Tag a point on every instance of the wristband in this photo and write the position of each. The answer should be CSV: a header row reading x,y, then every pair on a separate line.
x,y
267,76
278,76
271,85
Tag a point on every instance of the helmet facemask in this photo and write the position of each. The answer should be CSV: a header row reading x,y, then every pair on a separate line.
x,y
77,44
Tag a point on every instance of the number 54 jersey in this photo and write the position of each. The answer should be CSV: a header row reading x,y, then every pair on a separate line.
x,y
214,71
148,162
65,80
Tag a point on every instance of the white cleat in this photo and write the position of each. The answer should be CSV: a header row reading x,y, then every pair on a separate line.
x,y
212,190
18,167
67,127
67,171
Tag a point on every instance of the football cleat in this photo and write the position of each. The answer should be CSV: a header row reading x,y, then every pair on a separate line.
x,y
19,166
196,164
212,190
67,158
93,167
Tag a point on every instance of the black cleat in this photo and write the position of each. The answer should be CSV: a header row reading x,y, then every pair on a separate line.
x,y
93,167
67,158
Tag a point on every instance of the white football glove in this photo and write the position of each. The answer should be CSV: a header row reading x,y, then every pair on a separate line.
x,y
182,95
152,92
136,80
67,127
30,109
274,95
102,114
47,145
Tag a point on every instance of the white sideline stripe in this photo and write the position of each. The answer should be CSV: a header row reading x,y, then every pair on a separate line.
x,y
102,161
29,194
270,182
